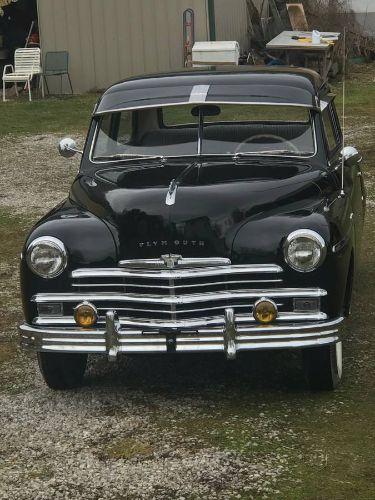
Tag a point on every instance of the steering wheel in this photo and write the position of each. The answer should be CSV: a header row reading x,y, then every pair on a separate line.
x,y
277,138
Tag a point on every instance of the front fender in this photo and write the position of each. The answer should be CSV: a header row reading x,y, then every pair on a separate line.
x,y
261,241
88,242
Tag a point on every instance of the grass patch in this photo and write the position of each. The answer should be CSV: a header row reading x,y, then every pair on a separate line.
x,y
360,89
8,350
14,230
66,115
126,449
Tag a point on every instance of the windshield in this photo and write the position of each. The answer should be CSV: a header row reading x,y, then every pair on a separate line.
x,y
226,130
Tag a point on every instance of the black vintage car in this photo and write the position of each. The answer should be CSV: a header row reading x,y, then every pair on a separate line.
x,y
213,211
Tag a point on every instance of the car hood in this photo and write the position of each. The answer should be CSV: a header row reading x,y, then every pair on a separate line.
x,y
211,205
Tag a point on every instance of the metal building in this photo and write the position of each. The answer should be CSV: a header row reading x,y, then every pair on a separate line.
x,y
364,11
113,39
231,21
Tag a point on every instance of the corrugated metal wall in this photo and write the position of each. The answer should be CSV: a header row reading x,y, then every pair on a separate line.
x,y
112,39
365,14
232,21
362,6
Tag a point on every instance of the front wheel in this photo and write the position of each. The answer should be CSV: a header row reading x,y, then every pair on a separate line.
x,y
62,370
323,366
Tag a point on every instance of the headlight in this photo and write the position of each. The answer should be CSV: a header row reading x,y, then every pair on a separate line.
x,y
304,250
46,256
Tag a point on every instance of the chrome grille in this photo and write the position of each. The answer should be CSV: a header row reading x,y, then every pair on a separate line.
x,y
176,288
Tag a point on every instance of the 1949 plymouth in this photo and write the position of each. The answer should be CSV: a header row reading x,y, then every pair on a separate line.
x,y
212,211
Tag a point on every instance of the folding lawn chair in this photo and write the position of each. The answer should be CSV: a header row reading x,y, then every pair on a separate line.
x,y
57,64
26,66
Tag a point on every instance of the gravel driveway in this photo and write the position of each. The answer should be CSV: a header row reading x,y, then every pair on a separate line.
x,y
113,438
187,427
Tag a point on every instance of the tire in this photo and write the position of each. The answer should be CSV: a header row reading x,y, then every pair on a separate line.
x,y
323,366
62,370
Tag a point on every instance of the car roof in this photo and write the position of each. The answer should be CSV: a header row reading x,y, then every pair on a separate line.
x,y
242,85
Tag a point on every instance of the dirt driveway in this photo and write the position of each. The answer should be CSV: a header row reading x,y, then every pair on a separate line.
x,y
185,427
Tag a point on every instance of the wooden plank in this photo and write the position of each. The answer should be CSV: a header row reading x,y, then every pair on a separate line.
x,y
297,16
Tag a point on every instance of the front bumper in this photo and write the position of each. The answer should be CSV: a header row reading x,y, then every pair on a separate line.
x,y
118,336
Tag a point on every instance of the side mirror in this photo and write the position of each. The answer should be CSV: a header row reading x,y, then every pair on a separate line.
x,y
350,156
68,148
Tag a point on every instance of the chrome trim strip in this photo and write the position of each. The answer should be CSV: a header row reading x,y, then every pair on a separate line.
x,y
178,299
182,311
96,131
246,338
200,346
167,287
180,262
257,328
306,330
184,323
184,103
175,273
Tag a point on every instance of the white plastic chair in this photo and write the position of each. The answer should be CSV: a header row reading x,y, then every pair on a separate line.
x,y
27,64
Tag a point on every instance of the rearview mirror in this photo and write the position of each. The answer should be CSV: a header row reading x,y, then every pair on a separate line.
x,y
206,110
350,156
68,147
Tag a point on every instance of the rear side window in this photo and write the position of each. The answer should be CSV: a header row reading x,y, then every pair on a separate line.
x,y
181,115
330,129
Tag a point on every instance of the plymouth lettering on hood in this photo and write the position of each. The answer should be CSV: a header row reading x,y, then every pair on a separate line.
x,y
174,243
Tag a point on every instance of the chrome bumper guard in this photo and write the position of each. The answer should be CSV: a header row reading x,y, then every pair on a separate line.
x,y
130,337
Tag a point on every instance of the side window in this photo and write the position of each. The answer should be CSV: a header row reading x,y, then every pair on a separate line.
x,y
330,129
115,130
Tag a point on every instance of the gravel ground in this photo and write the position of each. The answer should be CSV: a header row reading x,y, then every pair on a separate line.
x,y
183,428
102,441
107,442
39,177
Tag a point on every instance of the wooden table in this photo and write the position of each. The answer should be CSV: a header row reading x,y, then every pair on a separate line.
x,y
322,51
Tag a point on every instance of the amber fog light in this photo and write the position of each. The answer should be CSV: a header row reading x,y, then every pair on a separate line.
x,y
85,315
265,311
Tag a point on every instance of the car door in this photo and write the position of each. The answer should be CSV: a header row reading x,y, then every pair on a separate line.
x,y
353,174
354,196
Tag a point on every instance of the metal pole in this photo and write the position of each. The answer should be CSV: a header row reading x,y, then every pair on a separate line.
x,y
211,19
29,34
343,115
200,132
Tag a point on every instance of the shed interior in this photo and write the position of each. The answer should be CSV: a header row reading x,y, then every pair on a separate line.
x,y
18,28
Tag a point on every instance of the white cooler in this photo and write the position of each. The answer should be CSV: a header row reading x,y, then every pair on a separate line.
x,y
215,54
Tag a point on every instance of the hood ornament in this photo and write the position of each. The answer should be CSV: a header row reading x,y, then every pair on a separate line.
x,y
175,183
170,260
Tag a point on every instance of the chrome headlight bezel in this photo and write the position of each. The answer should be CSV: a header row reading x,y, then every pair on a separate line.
x,y
306,234
55,244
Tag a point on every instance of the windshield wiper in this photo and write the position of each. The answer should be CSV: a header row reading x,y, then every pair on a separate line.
x,y
267,152
173,186
127,156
